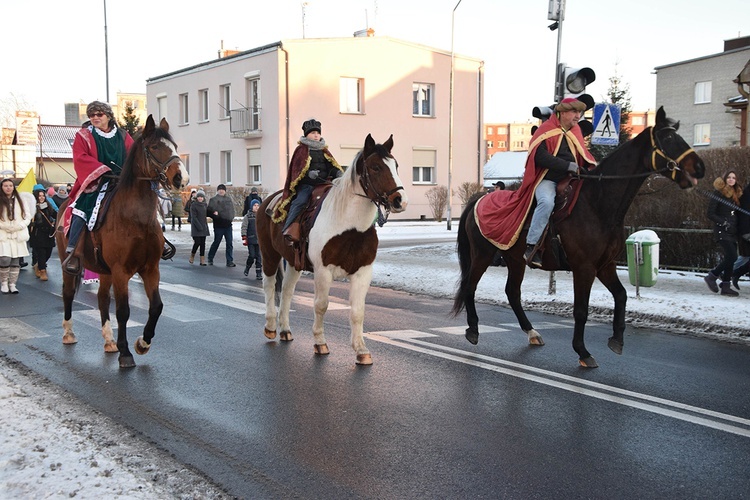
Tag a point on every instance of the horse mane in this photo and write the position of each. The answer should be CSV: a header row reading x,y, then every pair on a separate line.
x,y
128,176
615,157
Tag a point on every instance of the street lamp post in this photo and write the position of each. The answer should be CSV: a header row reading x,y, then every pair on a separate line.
x,y
450,124
106,50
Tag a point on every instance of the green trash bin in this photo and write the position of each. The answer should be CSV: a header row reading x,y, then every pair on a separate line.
x,y
643,257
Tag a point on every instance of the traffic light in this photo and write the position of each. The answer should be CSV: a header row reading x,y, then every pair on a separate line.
x,y
543,112
571,82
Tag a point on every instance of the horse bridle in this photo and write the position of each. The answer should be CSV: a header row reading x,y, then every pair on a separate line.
x,y
364,181
159,167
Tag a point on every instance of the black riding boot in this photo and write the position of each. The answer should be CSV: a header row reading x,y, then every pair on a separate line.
x,y
72,263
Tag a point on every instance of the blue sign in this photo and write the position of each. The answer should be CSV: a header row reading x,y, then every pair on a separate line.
x,y
606,125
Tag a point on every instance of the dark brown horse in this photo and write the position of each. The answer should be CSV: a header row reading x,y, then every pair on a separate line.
x,y
592,235
128,241
342,243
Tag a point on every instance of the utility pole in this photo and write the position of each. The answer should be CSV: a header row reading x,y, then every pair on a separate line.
x,y
106,50
450,124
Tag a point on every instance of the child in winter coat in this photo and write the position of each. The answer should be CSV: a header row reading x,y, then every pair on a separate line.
x,y
199,226
250,240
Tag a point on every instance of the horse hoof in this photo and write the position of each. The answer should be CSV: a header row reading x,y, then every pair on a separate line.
x,y
615,345
127,362
323,349
270,334
110,347
364,359
69,339
589,362
535,338
472,335
140,346
286,336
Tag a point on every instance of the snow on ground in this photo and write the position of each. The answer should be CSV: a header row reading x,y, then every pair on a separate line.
x,y
52,446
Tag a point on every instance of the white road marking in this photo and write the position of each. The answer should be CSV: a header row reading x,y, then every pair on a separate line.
x,y
660,406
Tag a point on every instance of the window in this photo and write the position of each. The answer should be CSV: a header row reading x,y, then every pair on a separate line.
x,y
702,92
161,106
636,120
186,161
501,144
205,169
253,103
423,171
489,144
253,166
489,130
226,167
702,135
184,115
422,99
203,102
350,95
225,94
502,130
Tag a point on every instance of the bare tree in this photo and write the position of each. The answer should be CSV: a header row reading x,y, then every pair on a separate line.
x,y
8,107
437,198
468,189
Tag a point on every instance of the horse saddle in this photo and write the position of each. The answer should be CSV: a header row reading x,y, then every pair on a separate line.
x,y
566,197
306,221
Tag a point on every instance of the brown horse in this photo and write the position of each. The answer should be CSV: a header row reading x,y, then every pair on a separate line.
x,y
592,236
342,243
128,241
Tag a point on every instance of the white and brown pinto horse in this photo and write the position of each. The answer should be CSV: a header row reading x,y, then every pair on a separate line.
x,y
342,244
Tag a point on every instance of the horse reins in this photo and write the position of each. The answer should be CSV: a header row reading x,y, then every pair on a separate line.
x,y
364,181
656,150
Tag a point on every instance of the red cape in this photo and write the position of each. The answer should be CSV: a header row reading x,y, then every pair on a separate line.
x,y
500,215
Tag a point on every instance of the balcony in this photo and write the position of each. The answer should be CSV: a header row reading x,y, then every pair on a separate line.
x,y
245,123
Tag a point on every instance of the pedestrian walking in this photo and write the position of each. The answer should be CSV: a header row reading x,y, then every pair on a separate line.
x,y
177,209
199,226
722,212
221,211
42,234
250,240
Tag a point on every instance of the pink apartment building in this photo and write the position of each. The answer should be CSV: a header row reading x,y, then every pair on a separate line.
x,y
237,119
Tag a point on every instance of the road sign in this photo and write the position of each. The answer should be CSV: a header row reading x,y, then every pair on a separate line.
x,y
606,125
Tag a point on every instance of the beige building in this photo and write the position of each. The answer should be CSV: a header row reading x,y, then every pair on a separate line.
x,y
237,119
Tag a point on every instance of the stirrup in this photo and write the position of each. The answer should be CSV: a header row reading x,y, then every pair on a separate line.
x,y
72,264
168,251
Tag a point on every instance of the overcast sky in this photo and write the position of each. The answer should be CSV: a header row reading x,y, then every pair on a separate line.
x,y
53,52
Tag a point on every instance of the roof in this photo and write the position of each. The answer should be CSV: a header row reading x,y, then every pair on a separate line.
x,y
56,141
506,166
710,56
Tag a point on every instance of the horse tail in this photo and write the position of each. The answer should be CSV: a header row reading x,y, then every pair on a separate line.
x,y
463,248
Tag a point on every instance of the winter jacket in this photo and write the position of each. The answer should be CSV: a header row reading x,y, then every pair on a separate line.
x,y
198,221
248,228
14,233
723,215
225,206
42,229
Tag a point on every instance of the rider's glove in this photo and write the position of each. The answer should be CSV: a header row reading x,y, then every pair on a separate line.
x,y
313,174
573,167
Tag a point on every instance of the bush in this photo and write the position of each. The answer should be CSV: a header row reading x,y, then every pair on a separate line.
x,y
468,189
437,198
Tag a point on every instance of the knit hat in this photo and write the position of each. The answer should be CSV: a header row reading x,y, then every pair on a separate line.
x,y
100,107
310,125
200,192
220,187
37,188
569,104
253,189
253,203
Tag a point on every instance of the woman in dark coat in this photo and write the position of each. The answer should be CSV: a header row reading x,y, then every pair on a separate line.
x,y
42,233
199,226
742,264
724,217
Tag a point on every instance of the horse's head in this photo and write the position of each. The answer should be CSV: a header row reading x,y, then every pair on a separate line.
x,y
684,165
161,156
378,175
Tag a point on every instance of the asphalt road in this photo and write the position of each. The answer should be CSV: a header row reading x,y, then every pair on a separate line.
x,y
433,417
